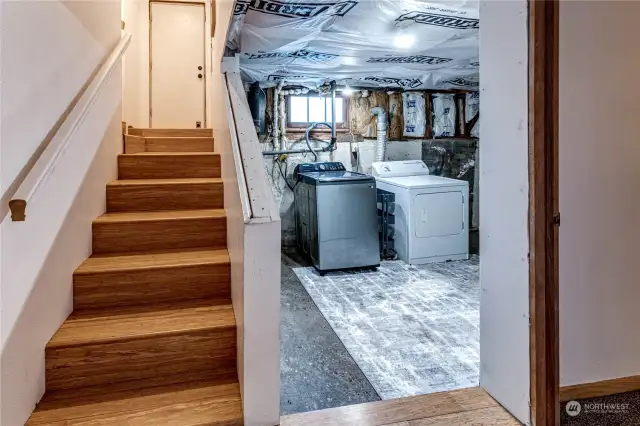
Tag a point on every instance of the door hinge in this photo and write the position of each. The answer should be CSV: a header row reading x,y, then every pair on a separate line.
x,y
556,219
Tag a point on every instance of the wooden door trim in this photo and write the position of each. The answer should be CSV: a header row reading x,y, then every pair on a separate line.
x,y
543,211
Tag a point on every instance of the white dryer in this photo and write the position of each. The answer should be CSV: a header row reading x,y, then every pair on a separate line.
x,y
431,212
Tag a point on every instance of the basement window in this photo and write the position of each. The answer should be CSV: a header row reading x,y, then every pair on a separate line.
x,y
304,110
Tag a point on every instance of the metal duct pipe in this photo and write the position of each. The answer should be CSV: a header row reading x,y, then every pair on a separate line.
x,y
381,146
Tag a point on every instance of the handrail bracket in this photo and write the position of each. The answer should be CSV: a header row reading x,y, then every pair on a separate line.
x,y
18,208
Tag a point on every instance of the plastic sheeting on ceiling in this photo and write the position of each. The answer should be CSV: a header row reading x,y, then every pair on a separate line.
x,y
405,44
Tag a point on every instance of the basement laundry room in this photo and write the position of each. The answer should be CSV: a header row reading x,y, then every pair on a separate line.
x,y
367,115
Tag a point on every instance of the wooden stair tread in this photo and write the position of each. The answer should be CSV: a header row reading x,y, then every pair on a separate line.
x,y
152,339
123,324
106,263
126,182
187,404
118,217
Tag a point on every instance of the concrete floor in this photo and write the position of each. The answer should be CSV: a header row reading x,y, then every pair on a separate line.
x,y
317,372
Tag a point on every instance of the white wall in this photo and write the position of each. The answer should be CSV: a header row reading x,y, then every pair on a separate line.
x,y
135,14
504,200
49,49
1,191
599,186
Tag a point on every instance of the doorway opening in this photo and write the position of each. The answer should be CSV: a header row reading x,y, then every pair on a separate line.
x,y
166,69
356,329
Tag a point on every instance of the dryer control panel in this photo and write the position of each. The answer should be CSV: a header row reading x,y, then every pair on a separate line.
x,y
386,169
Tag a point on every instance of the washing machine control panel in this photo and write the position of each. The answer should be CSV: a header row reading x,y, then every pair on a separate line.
x,y
332,166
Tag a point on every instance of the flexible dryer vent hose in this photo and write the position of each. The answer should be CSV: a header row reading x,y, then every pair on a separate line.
x,y
381,146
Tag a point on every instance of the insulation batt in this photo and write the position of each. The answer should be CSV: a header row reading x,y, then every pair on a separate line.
x,y
444,115
415,115
396,120
361,121
406,44
472,106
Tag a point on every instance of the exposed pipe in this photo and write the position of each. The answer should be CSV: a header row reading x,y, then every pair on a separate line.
x,y
283,121
294,151
309,149
297,91
280,149
276,128
333,114
381,147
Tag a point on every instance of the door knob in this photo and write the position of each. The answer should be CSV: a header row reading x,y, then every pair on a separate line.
x,y
199,75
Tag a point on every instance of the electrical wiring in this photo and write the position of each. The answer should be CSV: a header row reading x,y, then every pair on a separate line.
x,y
284,174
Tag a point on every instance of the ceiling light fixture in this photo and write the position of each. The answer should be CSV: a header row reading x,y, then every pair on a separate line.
x,y
347,91
404,40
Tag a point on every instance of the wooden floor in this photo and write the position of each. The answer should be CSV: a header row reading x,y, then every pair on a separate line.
x,y
472,406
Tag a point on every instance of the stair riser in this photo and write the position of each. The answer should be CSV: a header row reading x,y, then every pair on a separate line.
x,y
183,196
159,235
193,144
149,166
102,364
171,132
138,144
223,374
149,286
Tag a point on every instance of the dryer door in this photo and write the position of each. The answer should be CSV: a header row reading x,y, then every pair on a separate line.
x,y
438,214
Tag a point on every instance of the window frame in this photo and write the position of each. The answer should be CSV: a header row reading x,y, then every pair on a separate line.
x,y
304,125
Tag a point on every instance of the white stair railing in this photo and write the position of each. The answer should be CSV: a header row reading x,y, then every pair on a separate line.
x,y
254,240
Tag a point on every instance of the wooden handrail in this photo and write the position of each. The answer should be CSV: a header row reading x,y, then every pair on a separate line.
x,y
41,164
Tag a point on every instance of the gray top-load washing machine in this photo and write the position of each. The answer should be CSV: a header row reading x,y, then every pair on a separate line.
x,y
336,216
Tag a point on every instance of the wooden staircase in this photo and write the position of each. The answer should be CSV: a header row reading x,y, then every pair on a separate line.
x,y
152,338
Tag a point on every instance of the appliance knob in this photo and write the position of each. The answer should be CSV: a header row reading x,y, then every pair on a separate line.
x,y
322,167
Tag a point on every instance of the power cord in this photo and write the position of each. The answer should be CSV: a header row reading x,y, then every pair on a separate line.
x,y
284,174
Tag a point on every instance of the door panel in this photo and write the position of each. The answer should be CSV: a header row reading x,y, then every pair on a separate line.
x,y
438,214
177,50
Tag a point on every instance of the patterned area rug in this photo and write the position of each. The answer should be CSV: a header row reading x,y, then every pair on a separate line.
x,y
411,330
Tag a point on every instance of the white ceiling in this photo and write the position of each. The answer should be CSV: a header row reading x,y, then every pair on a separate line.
x,y
407,44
